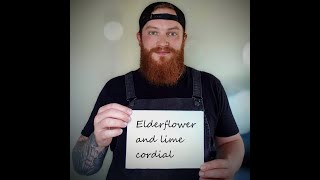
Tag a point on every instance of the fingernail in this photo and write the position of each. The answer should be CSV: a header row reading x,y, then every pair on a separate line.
x,y
125,124
129,111
202,167
201,173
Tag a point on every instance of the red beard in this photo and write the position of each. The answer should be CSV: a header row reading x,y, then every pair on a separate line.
x,y
164,71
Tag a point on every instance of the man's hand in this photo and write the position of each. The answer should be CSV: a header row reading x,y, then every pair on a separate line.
x,y
109,121
216,169
229,158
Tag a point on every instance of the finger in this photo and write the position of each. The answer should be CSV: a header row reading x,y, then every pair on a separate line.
x,y
112,123
110,133
217,163
115,106
112,113
214,173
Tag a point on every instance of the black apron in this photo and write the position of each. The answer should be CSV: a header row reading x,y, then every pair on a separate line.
x,y
195,103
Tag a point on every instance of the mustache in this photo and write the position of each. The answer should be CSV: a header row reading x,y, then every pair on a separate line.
x,y
162,49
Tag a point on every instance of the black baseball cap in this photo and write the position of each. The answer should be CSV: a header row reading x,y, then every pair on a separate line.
x,y
147,15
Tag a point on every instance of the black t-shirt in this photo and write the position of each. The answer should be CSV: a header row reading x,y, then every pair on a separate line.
x,y
214,98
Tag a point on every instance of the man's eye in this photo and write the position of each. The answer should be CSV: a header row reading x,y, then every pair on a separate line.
x,y
172,34
153,33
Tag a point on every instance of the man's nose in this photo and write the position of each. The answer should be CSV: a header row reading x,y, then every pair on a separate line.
x,y
162,41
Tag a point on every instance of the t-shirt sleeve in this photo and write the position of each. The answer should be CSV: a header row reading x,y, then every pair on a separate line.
x,y
102,100
226,125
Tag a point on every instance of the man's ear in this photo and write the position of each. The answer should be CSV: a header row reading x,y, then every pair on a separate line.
x,y
139,38
185,35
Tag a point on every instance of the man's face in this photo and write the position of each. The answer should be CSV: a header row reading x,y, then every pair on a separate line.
x,y
162,49
162,33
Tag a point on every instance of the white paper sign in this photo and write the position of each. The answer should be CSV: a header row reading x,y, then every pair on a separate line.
x,y
162,139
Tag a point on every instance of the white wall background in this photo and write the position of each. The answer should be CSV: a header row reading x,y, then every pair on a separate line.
x,y
103,45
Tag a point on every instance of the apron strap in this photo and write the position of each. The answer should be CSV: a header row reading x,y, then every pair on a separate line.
x,y
130,93
197,85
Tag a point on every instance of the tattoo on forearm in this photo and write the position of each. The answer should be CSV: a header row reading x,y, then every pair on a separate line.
x,y
86,157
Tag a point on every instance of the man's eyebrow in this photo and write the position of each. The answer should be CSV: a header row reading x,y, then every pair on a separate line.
x,y
151,27
174,28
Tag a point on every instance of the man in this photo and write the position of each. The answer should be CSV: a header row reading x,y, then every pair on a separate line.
x,y
162,82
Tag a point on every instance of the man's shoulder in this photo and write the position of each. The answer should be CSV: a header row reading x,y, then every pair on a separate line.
x,y
117,81
120,77
206,76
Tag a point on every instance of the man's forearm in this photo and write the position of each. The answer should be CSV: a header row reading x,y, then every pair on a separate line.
x,y
87,157
232,151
